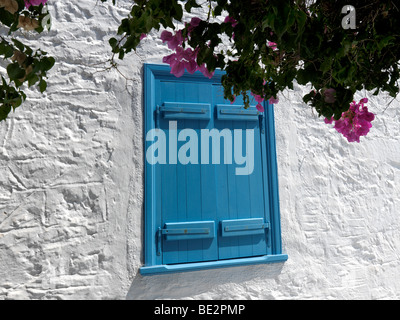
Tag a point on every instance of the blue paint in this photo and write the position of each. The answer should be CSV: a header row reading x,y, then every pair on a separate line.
x,y
243,227
161,269
201,197
236,113
176,111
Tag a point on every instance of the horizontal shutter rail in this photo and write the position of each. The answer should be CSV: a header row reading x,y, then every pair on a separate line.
x,y
238,113
243,227
188,230
176,111
183,110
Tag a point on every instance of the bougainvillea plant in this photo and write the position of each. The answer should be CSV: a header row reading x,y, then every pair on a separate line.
x,y
23,65
266,45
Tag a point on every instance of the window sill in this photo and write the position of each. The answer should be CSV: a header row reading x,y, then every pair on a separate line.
x,y
161,269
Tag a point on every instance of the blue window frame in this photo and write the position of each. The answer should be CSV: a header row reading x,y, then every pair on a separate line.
x,y
211,185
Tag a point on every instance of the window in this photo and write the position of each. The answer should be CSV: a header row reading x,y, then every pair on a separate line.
x,y
211,188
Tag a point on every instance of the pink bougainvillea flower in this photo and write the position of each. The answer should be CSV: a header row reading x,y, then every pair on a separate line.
x,y
272,45
328,121
257,97
142,36
272,100
260,107
173,40
203,69
183,59
166,36
195,22
191,66
233,21
176,40
177,68
29,3
355,122
169,59
259,100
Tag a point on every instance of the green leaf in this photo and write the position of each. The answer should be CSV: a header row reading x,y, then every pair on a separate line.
x,y
4,111
177,11
303,77
20,46
15,72
6,17
6,50
42,85
48,63
113,42
191,4
32,79
326,65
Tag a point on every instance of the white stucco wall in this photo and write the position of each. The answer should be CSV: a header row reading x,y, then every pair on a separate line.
x,y
71,187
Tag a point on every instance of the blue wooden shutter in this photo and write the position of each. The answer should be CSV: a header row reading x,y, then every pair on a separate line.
x,y
206,213
243,213
186,194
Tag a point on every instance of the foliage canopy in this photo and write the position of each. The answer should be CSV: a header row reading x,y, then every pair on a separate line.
x,y
312,47
263,45
24,65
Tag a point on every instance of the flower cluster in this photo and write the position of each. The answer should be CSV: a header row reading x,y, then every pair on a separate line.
x,y
29,3
272,45
23,21
182,58
355,122
260,100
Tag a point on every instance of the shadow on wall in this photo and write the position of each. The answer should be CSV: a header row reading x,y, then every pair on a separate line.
x,y
224,283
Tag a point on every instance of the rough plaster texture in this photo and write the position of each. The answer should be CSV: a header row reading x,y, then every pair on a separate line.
x,y
71,187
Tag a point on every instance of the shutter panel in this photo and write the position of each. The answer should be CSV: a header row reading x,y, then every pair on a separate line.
x,y
184,188
242,211
207,211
